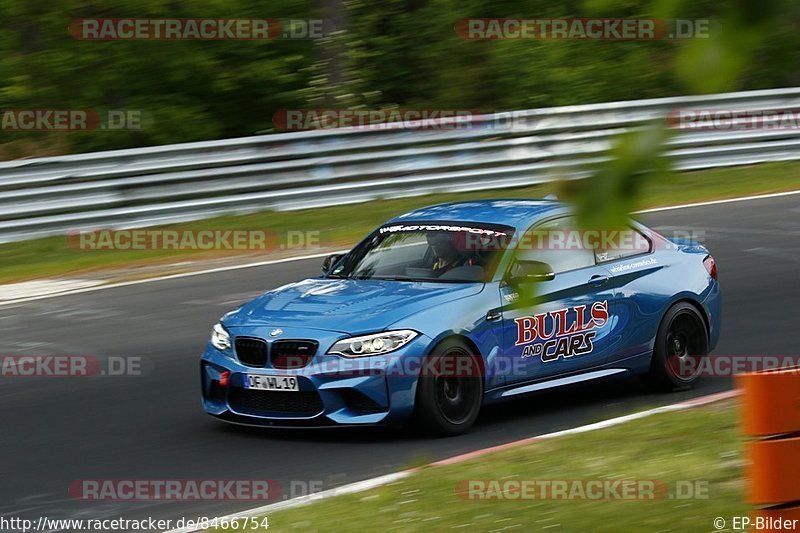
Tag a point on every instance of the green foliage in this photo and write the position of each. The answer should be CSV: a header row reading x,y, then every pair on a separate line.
x,y
604,200
394,53
188,90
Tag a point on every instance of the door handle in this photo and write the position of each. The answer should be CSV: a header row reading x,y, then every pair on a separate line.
x,y
494,315
598,280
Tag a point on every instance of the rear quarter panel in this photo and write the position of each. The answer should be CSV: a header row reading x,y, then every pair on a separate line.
x,y
647,286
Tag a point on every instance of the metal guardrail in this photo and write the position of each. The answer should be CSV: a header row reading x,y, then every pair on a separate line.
x,y
175,183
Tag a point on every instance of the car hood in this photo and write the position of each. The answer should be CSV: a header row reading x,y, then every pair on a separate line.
x,y
346,305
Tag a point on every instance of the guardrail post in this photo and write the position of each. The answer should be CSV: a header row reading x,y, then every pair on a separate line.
x,y
771,416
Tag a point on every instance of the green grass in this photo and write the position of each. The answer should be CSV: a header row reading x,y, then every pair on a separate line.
x,y
698,445
343,225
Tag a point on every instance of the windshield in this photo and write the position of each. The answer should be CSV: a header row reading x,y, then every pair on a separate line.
x,y
446,252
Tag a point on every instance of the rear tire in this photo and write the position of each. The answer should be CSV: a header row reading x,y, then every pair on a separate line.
x,y
681,341
449,390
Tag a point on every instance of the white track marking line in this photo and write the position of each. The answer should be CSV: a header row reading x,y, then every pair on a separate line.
x,y
361,486
716,202
164,278
358,486
42,287
312,256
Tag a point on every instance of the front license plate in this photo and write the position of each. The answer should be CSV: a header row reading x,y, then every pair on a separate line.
x,y
274,383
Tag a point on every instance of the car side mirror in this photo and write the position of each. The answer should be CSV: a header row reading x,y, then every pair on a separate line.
x,y
329,261
528,271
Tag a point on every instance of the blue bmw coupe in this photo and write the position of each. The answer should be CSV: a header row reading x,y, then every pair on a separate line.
x,y
453,306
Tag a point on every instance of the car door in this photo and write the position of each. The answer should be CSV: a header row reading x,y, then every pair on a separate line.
x,y
633,263
560,325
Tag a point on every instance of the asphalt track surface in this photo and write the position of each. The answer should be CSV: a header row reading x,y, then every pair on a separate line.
x,y
58,430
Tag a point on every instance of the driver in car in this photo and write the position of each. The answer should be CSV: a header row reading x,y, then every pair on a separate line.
x,y
446,253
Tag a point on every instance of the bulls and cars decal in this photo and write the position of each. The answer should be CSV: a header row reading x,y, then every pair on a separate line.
x,y
562,333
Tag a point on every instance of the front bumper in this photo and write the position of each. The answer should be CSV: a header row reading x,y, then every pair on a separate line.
x,y
333,390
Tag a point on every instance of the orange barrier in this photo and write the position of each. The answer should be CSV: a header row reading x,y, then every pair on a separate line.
x,y
771,414
771,402
774,471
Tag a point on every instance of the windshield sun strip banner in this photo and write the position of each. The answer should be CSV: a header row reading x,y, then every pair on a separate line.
x,y
440,227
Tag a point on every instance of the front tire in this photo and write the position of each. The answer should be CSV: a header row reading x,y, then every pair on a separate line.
x,y
681,341
450,389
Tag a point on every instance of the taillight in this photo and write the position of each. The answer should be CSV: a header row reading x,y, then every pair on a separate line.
x,y
711,266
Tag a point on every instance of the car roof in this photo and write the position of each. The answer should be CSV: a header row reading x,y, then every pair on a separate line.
x,y
516,213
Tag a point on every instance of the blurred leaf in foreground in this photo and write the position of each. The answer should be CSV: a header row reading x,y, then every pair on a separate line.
x,y
604,200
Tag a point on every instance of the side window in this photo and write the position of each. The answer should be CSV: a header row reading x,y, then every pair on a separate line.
x,y
557,243
622,244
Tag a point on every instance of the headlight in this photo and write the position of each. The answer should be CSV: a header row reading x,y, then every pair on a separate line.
x,y
220,338
375,344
